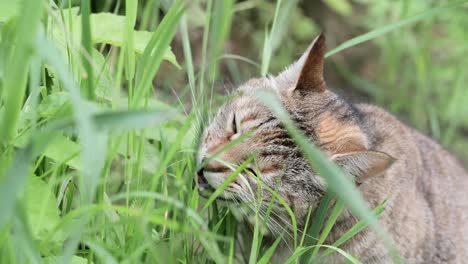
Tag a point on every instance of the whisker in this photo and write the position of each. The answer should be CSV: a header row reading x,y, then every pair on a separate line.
x,y
291,227
276,228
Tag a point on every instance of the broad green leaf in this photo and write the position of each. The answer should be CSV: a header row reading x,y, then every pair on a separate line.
x,y
11,184
15,178
109,28
54,103
104,81
64,151
105,28
42,213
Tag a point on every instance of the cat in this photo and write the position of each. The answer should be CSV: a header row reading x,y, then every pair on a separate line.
x,y
427,212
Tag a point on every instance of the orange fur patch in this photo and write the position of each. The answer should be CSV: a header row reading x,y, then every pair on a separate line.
x,y
340,137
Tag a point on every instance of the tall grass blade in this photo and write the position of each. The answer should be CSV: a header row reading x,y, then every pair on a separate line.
x,y
14,84
130,19
87,46
299,252
358,227
155,51
265,259
221,25
317,222
339,206
273,38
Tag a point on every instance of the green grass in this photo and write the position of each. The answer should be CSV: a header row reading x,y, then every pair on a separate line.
x,y
95,166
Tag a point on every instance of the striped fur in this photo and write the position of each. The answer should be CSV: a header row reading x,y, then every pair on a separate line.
x,y
428,207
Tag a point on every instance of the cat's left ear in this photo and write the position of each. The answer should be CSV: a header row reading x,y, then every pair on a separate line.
x,y
364,164
311,73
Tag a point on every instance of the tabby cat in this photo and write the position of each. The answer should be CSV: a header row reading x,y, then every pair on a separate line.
x,y
427,213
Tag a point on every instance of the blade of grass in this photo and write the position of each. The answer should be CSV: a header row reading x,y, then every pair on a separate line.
x,y
188,60
317,223
87,46
339,206
269,253
206,33
155,50
301,251
130,19
14,84
273,38
358,227
221,25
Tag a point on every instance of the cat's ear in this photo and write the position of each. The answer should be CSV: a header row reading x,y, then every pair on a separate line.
x,y
364,164
311,74
306,73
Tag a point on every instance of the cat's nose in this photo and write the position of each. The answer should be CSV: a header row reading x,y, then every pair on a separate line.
x,y
201,180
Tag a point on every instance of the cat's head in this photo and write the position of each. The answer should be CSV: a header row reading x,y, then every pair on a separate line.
x,y
330,122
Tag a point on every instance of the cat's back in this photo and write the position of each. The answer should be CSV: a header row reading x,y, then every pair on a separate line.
x,y
438,183
438,170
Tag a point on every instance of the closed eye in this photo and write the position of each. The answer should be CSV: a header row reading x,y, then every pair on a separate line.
x,y
234,124
251,171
